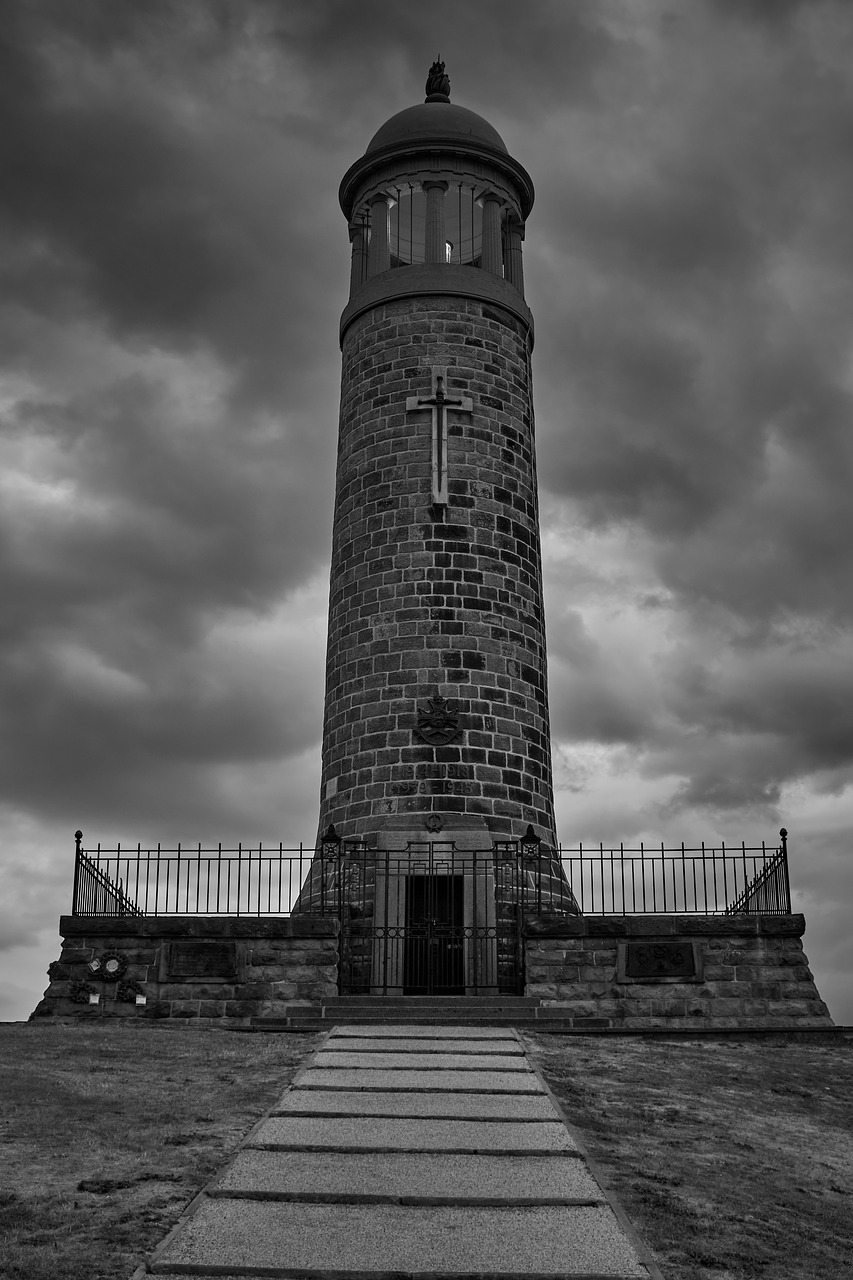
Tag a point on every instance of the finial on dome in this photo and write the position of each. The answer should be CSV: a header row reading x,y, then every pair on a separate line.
x,y
438,84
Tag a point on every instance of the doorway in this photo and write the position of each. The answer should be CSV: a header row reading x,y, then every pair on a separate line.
x,y
434,955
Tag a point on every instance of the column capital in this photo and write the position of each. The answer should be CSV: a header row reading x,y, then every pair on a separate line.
x,y
516,225
434,183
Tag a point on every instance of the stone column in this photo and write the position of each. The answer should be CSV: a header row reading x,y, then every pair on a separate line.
x,y
492,256
435,246
379,255
514,264
358,240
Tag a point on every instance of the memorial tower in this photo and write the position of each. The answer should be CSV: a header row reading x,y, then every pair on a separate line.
x,y
436,716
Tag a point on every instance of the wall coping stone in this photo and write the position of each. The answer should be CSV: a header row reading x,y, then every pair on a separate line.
x,y
200,926
664,926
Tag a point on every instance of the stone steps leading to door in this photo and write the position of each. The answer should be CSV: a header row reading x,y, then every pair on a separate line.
x,y
413,1011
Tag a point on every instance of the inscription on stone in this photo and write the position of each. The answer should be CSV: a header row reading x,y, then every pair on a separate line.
x,y
202,960
651,960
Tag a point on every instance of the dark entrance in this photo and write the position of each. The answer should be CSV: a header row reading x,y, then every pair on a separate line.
x,y
434,957
427,920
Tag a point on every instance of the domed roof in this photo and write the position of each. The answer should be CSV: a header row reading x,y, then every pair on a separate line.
x,y
436,121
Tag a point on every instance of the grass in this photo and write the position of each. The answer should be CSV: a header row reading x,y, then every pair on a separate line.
x,y
107,1132
732,1159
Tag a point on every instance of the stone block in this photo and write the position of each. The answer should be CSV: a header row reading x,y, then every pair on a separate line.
x,y
283,990
719,926
723,1006
76,955
660,926
668,1007
211,1008
242,1008
119,1009
94,928
252,990
156,1010
789,926
790,1008
184,1008
196,991
598,973
566,973
543,990
317,990
567,991
66,1008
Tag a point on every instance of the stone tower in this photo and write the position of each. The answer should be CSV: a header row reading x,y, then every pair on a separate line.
x,y
436,716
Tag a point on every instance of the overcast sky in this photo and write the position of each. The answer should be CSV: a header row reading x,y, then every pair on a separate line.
x,y
174,263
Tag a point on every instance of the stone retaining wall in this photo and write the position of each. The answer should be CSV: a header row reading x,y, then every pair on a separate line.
x,y
191,967
712,971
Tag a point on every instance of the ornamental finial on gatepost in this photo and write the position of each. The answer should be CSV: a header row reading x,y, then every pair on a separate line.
x,y
438,84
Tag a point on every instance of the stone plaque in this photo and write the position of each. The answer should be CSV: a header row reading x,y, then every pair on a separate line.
x,y
653,961
188,960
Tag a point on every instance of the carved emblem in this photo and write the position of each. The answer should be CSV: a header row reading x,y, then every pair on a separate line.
x,y
438,722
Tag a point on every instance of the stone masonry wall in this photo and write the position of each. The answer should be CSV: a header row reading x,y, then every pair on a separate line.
x,y
751,972
428,599
254,967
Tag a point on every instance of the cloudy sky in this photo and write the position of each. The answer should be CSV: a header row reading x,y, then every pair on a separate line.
x,y
174,264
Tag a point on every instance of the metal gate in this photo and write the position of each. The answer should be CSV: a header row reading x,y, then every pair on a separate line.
x,y
429,920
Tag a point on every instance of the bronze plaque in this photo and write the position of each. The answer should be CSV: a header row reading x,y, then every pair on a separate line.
x,y
651,960
202,960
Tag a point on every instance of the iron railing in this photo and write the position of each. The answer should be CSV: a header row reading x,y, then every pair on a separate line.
x,y
96,893
268,880
703,880
190,880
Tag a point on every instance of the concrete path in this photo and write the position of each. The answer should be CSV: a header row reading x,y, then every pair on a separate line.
x,y
403,1151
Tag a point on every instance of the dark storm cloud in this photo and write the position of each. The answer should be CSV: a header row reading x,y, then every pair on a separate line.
x,y
153,206
591,699
706,342
140,192
110,599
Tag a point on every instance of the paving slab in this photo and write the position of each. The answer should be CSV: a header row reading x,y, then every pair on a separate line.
x,y
363,1133
410,1030
479,1106
412,1044
393,1176
442,1081
381,1058
288,1237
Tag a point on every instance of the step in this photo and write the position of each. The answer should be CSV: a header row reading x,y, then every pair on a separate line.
x,y
406,1177
395,1239
331,1008
444,1001
324,1024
